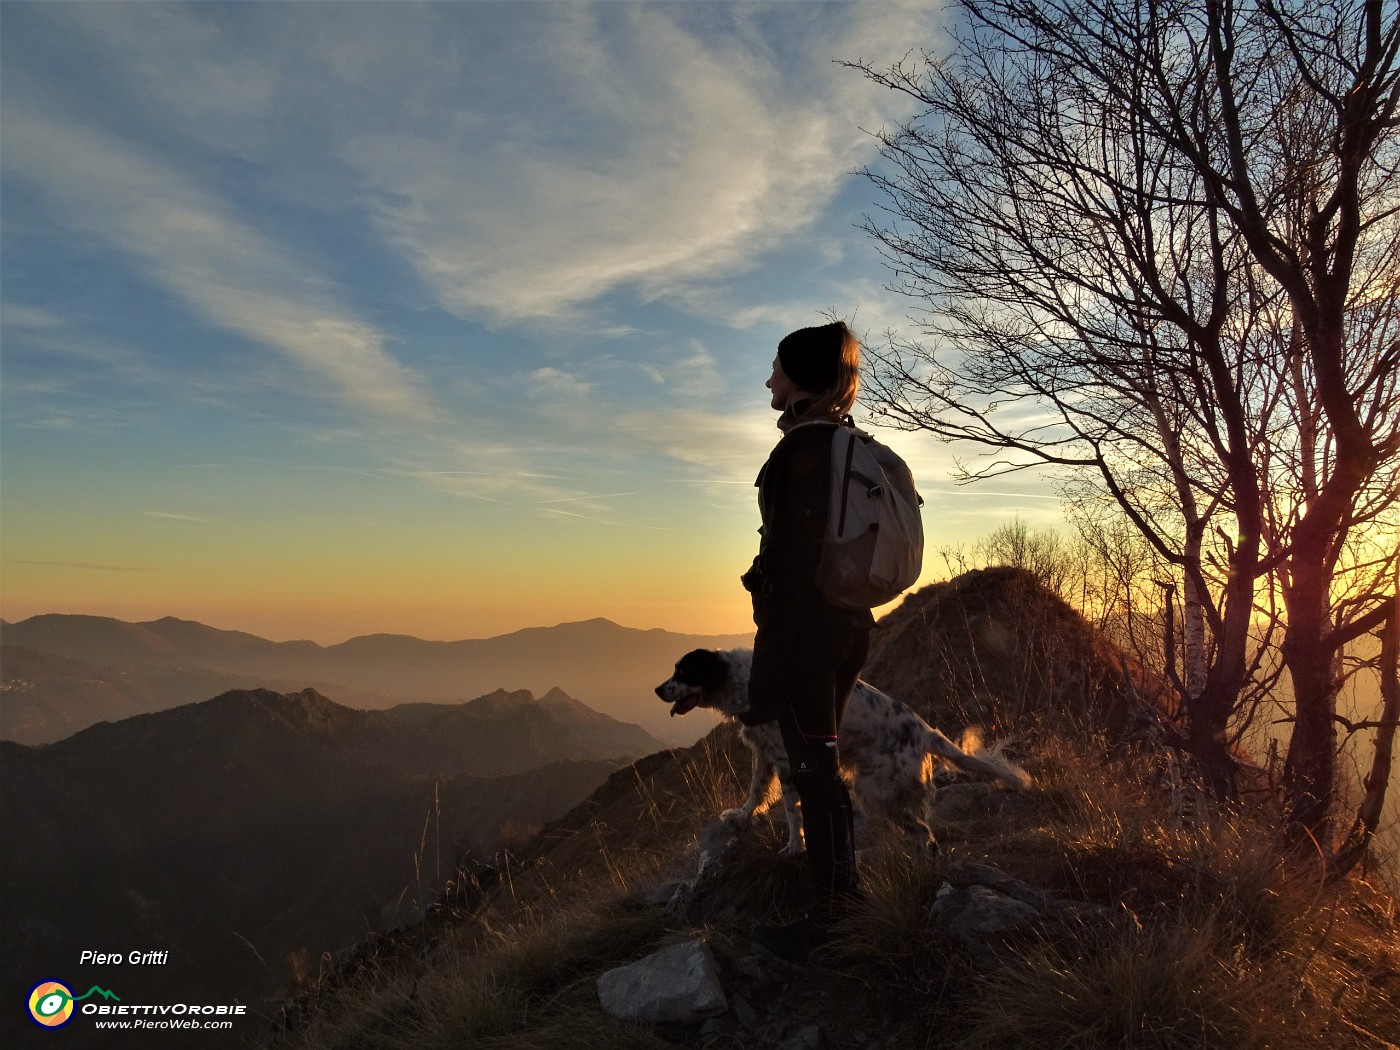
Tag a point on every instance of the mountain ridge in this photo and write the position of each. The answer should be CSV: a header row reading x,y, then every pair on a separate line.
x,y
486,730
164,626
49,697
611,668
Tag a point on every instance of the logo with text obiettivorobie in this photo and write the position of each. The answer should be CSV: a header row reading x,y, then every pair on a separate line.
x,y
51,1002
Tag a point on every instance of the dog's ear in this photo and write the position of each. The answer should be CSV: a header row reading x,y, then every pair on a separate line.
x,y
686,667
703,668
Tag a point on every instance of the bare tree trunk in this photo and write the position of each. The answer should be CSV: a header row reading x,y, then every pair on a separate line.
x,y
1193,630
1217,701
1368,814
1309,775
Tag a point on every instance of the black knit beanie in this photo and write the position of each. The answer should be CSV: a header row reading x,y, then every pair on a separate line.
x,y
810,356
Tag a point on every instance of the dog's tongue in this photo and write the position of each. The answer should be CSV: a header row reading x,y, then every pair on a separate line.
x,y
683,705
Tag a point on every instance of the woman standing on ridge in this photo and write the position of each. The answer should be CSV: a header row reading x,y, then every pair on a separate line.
x,y
807,651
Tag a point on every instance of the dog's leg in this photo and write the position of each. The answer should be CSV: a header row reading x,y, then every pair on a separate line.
x,y
921,838
909,809
922,841
759,784
793,811
904,801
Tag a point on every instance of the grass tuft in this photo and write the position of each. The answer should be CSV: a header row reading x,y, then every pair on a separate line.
x,y
1146,990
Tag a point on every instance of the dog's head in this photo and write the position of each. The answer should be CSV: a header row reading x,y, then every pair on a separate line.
x,y
701,679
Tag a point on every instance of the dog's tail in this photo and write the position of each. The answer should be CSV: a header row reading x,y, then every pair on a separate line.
x,y
968,754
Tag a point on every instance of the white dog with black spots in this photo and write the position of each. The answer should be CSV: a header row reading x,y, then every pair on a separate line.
x,y
891,752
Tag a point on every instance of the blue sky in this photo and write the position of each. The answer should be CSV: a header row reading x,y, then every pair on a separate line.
x,y
445,319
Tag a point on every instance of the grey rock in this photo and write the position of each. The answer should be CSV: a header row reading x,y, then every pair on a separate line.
x,y
717,1026
662,895
987,913
716,842
973,872
982,909
744,1013
679,984
753,967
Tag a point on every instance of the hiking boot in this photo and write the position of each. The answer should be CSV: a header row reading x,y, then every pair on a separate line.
x,y
794,941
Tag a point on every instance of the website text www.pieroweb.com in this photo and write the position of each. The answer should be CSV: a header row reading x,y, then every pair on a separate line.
x,y
55,1004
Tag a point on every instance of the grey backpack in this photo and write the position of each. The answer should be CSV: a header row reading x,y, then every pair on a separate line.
x,y
874,543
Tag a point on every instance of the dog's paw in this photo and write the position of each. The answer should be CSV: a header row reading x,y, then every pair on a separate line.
x,y
738,818
792,849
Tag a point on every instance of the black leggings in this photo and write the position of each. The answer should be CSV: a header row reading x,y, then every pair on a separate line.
x,y
814,694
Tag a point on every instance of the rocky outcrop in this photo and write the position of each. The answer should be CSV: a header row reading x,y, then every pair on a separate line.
x,y
994,644
985,912
678,985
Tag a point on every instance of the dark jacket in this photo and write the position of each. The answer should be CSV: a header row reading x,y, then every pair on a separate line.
x,y
794,621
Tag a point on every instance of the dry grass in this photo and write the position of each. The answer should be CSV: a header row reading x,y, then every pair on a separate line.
x,y
1147,989
1176,984
1228,945
493,985
1225,942
517,969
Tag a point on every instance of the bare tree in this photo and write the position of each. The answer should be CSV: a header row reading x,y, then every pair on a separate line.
x,y
1038,551
1115,211
1318,215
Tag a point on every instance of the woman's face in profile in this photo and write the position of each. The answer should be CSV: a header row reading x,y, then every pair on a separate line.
x,y
783,387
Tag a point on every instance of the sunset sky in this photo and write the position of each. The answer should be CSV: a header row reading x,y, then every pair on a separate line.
x,y
323,319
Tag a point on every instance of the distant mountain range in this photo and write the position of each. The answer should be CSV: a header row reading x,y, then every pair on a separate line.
x,y
115,669
44,697
239,830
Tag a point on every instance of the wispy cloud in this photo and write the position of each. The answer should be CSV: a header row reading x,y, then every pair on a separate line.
x,y
17,315
492,472
576,499
712,158
191,243
364,473
551,261
556,383
718,447
692,377
599,519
